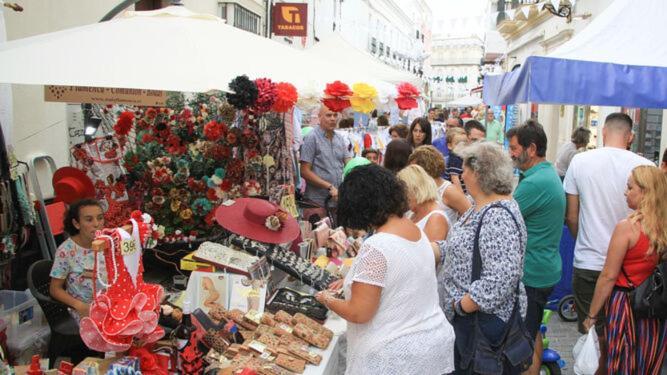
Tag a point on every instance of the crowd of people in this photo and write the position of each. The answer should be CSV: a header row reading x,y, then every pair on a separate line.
x,y
458,243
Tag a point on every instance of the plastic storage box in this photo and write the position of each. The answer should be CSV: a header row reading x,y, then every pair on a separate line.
x,y
24,318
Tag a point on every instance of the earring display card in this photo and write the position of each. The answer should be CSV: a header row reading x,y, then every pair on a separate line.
x,y
229,291
225,258
300,268
293,302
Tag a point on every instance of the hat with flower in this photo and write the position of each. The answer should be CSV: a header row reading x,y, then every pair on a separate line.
x,y
257,219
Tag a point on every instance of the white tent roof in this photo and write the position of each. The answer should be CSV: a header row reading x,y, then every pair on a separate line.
x,y
627,32
465,101
167,49
336,49
619,59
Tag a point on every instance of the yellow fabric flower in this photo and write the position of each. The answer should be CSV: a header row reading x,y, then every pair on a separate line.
x,y
186,214
175,205
363,97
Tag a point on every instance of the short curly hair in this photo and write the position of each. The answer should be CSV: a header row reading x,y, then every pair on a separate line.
x,y
74,213
368,196
492,165
429,158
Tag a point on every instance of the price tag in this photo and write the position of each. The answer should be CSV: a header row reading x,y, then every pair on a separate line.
x,y
127,247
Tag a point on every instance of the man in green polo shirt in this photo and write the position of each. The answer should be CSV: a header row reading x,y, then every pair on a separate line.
x,y
541,199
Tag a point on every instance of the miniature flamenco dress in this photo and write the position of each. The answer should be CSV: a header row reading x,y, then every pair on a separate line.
x,y
128,309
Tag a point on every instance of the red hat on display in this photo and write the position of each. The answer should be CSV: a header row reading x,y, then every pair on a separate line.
x,y
71,184
257,219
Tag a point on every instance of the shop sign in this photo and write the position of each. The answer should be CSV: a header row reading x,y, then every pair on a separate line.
x,y
102,95
290,19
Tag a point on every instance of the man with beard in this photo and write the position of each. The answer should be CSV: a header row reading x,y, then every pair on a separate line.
x,y
541,199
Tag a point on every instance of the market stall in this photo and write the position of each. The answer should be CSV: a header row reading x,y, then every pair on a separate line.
x,y
179,169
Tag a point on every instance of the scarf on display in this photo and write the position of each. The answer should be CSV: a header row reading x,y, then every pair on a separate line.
x,y
128,310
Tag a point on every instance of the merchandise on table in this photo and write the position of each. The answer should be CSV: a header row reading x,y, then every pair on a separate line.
x,y
294,302
300,268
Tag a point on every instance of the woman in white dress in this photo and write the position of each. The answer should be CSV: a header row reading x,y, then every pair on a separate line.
x,y
451,200
423,203
395,324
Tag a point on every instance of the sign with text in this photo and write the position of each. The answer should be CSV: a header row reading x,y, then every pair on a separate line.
x,y
102,95
290,19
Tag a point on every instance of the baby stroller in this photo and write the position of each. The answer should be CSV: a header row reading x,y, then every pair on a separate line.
x,y
561,299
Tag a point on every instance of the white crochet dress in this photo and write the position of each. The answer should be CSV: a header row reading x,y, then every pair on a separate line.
x,y
409,333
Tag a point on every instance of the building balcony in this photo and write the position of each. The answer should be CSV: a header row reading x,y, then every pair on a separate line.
x,y
510,27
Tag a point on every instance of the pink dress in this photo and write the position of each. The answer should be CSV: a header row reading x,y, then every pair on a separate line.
x,y
129,308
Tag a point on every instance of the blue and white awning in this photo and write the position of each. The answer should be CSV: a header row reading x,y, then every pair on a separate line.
x,y
620,59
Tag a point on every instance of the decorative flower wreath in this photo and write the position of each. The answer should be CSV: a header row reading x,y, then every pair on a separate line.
x,y
336,96
407,96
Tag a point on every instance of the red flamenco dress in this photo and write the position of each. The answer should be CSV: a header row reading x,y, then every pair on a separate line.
x,y
128,309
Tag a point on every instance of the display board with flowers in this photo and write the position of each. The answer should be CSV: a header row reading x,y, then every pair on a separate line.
x,y
187,158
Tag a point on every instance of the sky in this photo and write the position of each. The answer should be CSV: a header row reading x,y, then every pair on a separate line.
x,y
459,17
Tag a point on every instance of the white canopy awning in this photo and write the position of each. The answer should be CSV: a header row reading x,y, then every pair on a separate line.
x,y
465,101
337,50
619,59
168,49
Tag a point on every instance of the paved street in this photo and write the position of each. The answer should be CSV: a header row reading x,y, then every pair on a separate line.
x,y
563,335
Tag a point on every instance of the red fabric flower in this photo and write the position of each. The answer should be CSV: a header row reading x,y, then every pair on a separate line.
x,y
210,217
211,195
213,130
147,137
124,123
232,138
337,89
226,185
151,113
174,145
286,97
266,95
337,96
336,105
407,96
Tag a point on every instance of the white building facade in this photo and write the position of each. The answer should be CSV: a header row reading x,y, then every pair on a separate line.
x,y
396,32
455,67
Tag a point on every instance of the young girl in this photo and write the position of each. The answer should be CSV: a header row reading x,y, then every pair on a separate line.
x,y
634,345
72,271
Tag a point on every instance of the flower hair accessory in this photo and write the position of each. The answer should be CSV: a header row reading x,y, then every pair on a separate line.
x,y
275,222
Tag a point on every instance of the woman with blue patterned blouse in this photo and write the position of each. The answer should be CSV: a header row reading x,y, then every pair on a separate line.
x,y
488,173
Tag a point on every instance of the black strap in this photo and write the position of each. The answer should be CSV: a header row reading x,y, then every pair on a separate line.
x,y
476,256
631,285
477,265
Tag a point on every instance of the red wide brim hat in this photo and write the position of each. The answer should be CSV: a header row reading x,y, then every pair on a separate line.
x,y
71,184
253,218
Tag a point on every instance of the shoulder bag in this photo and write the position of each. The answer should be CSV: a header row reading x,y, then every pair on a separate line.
x,y
649,299
516,348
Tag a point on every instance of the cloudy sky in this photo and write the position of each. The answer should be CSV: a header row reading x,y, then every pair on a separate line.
x,y
459,17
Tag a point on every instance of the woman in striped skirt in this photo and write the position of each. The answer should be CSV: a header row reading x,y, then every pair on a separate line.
x,y
635,345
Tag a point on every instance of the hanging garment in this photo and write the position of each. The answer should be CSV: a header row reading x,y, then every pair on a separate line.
x,y
101,160
129,308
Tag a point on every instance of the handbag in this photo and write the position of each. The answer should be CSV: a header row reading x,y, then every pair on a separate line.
x,y
649,299
516,346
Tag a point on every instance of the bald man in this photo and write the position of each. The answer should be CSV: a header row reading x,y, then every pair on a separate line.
x,y
324,153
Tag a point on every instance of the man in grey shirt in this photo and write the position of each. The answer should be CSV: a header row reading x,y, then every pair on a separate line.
x,y
324,153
